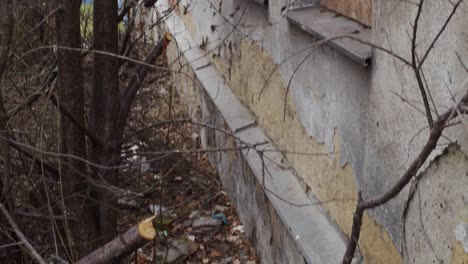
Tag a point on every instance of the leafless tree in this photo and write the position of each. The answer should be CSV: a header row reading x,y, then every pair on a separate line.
x,y
72,159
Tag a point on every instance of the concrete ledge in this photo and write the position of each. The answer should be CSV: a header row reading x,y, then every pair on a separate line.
x,y
322,24
317,239
278,215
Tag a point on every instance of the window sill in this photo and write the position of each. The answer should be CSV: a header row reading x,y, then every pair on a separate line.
x,y
323,24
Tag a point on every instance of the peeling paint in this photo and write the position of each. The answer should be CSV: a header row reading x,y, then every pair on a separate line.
x,y
437,215
461,234
337,107
458,255
327,179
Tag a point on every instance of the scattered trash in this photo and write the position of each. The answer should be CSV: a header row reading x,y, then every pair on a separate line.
x,y
163,233
141,254
222,217
157,209
200,180
226,261
220,208
144,165
187,223
179,249
163,91
127,203
178,179
243,255
157,176
206,221
194,214
199,223
232,238
239,228
133,149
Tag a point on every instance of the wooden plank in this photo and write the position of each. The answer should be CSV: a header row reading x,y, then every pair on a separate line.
x,y
359,10
322,24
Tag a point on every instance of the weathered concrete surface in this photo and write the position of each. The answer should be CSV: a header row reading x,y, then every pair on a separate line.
x,y
323,174
439,207
335,105
283,222
324,24
276,240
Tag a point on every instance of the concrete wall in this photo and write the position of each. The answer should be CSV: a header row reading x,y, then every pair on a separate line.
x,y
436,223
285,224
368,120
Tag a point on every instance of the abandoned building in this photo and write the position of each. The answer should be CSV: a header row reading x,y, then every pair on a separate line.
x,y
322,102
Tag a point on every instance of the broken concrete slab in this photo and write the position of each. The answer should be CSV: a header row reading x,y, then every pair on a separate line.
x,y
179,250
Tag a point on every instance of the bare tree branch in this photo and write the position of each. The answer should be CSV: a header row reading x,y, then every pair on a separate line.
x,y
25,243
135,83
447,21
414,65
126,10
431,143
70,117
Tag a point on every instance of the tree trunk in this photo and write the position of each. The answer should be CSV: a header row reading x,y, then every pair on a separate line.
x,y
6,32
104,112
12,254
72,137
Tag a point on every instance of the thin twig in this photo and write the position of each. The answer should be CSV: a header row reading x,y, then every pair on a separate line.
x,y
135,83
70,117
415,66
25,243
429,146
447,21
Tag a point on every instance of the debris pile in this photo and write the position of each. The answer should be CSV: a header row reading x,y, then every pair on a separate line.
x,y
197,222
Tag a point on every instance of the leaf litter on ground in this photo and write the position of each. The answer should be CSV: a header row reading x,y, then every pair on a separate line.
x,y
203,224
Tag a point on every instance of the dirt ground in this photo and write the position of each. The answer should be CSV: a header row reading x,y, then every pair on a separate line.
x,y
200,225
